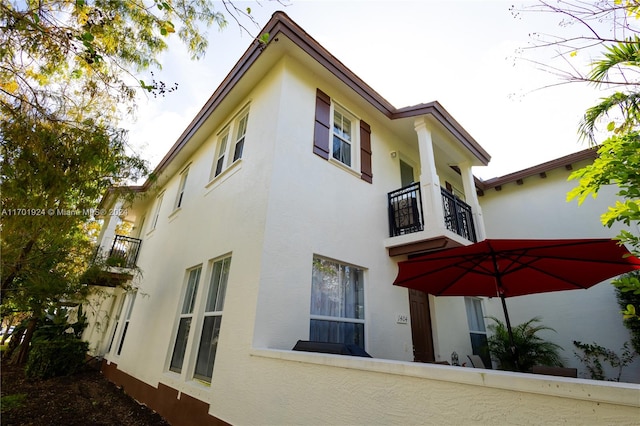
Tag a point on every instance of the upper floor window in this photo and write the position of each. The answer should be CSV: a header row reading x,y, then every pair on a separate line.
x,y
343,140
183,184
156,213
230,143
339,135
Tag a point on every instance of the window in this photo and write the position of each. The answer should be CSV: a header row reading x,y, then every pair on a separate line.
x,y
222,150
337,303
342,136
117,318
477,330
338,136
241,131
132,299
228,148
180,195
212,320
184,325
156,213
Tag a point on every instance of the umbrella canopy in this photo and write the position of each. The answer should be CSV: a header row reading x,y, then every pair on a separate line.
x,y
507,268
516,267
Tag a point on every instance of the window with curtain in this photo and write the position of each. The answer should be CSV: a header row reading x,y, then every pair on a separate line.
x,y
184,324
477,330
212,319
337,303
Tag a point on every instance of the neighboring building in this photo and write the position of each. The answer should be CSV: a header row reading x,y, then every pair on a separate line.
x,y
280,215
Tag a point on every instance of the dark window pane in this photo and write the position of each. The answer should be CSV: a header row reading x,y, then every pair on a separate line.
x,y
238,151
181,345
337,332
207,349
124,333
219,166
480,347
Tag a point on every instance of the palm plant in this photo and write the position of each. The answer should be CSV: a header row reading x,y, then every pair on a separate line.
x,y
617,68
530,348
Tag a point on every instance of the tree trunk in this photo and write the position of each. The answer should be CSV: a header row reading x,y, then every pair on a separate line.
x,y
8,280
23,349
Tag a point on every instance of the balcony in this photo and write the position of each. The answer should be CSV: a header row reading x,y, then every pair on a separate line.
x,y
457,216
124,252
117,267
408,232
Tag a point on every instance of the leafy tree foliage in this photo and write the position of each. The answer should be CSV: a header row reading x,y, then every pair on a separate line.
x,y
613,29
68,72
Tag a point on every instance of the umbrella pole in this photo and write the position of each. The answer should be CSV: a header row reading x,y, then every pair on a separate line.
x,y
514,349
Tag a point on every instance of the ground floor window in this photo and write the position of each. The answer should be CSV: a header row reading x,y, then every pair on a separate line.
x,y
127,318
337,303
477,330
184,322
212,319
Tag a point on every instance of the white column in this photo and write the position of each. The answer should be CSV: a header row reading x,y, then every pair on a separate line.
x,y
471,197
108,230
429,180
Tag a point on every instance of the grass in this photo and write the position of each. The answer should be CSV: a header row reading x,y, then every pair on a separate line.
x,y
10,402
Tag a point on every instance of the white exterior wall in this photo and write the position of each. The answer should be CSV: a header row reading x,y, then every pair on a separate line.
x,y
538,209
225,217
318,207
272,212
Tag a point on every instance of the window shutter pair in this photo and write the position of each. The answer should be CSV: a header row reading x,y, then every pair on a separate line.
x,y
322,132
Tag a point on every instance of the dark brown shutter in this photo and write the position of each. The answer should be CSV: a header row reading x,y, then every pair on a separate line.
x,y
321,130
365,152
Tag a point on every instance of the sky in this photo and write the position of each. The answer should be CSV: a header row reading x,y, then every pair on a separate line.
x,y
471,56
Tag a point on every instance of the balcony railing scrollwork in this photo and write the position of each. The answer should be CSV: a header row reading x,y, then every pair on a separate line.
x,y
406,215
457,216
124,252
405,210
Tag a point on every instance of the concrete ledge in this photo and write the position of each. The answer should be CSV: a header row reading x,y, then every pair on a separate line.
x,y
562,387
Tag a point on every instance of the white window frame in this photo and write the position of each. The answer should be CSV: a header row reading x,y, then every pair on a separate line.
x,y
186,311
232,135
181,187
117,322
355,137
213,308
131,299
474,307
341,319
156,212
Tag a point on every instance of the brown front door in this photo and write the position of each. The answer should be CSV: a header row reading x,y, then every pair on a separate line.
x,y
421,326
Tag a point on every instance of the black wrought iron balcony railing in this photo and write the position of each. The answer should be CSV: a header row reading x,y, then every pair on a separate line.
x,y
457,216
124,252
405,210
406,215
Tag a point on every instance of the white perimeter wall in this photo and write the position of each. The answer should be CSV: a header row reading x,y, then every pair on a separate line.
x,y
538,209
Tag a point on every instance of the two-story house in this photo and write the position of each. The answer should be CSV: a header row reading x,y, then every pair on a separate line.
x,y
279,216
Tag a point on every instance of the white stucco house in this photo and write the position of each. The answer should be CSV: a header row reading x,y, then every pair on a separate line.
x,y
280,215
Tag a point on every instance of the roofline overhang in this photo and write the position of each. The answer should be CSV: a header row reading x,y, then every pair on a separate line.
x,y
281,24
565,161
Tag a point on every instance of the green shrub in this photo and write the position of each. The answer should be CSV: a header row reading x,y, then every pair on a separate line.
x,y
56,358
531,349
56,348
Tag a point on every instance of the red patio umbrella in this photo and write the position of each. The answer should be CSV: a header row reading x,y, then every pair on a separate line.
x,y
507,268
